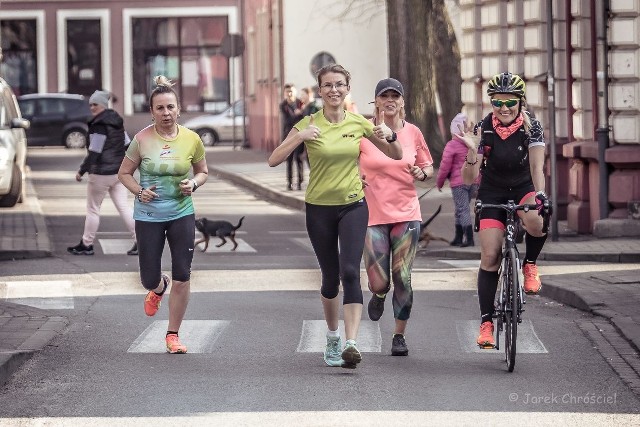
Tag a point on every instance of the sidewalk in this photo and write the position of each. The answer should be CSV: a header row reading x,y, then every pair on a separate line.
x,y
614,296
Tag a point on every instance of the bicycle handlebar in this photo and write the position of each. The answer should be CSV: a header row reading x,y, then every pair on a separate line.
x,y
510,206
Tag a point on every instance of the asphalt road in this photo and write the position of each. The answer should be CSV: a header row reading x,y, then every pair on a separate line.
x,y
254,328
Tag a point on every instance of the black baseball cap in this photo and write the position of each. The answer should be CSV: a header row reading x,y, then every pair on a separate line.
x,y
389,84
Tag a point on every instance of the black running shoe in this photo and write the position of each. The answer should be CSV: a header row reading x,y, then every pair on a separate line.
x,y
399,346
81,249
375,307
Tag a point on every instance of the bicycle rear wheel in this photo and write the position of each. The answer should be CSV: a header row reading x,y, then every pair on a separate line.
x,y
511,317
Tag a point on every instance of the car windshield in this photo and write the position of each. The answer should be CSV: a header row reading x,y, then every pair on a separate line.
x,y
238,108
27,107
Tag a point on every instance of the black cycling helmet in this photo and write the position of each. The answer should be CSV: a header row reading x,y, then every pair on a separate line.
x,y
506,83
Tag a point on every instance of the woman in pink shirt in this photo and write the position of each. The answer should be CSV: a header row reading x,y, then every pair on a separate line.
x,y
453,159
394,210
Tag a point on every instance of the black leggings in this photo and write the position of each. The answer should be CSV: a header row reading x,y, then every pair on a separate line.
x,y
344,226
180,233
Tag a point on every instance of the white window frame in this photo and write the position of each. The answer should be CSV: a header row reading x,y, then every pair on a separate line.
x,y
64,15
41,29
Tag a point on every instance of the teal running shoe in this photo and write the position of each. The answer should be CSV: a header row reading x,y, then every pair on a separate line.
x,y
332,355
351,355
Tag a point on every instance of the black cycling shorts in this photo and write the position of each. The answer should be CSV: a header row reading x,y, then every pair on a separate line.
x,y
497,218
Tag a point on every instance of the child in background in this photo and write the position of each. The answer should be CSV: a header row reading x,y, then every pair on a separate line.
x,y
452,160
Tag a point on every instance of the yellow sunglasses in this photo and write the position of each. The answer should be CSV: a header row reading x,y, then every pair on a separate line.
x,y
498,103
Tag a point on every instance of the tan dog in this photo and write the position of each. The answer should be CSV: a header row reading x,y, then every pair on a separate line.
x,y
425,234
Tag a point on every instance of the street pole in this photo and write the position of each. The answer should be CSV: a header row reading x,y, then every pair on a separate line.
x,y
233,108
242,82
552,121
602,132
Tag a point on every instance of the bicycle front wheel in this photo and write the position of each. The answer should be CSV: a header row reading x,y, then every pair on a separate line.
x,y
511,318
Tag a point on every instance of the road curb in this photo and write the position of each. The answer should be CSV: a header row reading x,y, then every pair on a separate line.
x,y
619,258
450,253
40,338
10,362
626,326
42,246
622,258
564,296
42,232
257,188
11,255
28,318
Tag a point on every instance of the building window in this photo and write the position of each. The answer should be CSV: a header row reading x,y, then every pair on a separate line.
x,y
19,66
187,51
84,64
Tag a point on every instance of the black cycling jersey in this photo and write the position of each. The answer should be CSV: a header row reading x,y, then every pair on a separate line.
x,y
505,163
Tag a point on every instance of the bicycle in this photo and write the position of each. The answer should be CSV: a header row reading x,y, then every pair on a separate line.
x,y
511,299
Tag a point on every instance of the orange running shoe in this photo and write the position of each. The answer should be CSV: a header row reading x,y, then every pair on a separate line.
x,y
532,283
152,300
486,340
174,345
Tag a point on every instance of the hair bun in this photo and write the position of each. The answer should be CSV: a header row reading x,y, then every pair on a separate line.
x,y
162,81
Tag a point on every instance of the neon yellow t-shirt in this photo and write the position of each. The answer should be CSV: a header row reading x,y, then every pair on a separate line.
x,y
164,163
334,177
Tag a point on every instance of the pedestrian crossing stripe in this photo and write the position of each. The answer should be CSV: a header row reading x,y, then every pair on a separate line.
x,y
121,246
43,294
462,263
115,246
322,418
528,341
304,242
243,247
313,338
198,335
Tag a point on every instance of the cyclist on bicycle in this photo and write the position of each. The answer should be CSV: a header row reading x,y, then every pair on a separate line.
x,y
507,147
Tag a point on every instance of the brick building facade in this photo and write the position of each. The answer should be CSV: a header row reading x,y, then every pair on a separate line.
x,y
596,88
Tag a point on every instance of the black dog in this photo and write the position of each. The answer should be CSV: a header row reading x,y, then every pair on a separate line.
x,y
219,229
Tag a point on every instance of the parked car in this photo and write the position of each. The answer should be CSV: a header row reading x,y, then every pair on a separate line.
x,y
214,128
13,148
56,119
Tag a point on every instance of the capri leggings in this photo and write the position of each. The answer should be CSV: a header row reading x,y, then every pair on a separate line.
x,y
397,243
343,226
180,233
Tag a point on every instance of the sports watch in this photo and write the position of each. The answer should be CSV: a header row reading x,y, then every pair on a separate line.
x,y
394,137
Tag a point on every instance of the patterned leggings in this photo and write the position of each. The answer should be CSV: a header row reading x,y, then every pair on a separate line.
x,y
462,195
398,243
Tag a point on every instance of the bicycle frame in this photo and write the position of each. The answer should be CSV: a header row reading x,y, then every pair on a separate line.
x,y
508,312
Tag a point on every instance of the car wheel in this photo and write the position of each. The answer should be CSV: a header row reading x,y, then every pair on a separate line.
x,y
11,198
74,138
208,137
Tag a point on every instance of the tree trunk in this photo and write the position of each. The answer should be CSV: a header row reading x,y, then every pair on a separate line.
x,y
397,19
447,67
424,56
